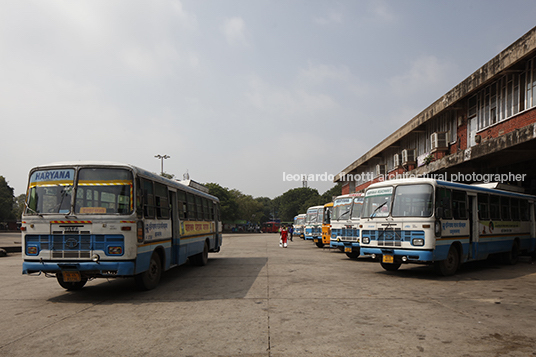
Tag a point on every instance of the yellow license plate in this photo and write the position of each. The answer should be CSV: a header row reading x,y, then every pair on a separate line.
x,y
316,240
71,276
388,259
347,250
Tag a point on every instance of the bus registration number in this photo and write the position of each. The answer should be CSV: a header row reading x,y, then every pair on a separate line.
x,y
388,259
71,276
347,249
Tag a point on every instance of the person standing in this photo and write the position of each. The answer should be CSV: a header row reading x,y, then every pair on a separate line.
x,y
290,232
283,237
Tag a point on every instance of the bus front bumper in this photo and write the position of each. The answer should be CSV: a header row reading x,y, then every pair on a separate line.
x,y
405,255
126,268
345,246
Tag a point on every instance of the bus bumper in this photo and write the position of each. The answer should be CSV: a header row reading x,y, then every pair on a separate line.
x,y
92,268
411,255
345,246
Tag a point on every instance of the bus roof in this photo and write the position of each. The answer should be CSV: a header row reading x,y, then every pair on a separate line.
x,y
454,185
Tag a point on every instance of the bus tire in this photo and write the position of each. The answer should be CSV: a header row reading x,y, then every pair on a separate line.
x,y
450,265
150,278
70,286
512,257
390,266
320,244
353,255
201,259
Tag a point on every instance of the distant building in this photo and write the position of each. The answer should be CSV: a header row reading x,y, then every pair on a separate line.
x,y
481,130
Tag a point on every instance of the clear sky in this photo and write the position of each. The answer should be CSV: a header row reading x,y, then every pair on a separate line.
x,y
235,92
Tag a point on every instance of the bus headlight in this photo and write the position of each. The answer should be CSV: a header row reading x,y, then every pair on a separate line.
x,y
365,240
32,250
418,242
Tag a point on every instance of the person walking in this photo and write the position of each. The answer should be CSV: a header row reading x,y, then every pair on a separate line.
x,y
290,232
283,237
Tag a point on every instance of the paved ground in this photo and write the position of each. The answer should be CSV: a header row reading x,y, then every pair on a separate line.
x,y
256,299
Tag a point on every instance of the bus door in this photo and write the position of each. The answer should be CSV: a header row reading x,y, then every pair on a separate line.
x,y
175,228
473,228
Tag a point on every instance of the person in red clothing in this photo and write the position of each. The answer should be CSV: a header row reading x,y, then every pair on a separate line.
x,y
283,234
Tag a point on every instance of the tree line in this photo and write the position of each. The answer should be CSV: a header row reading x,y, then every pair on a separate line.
x,y
235,205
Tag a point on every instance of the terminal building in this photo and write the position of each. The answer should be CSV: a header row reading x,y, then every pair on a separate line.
x,y
482,130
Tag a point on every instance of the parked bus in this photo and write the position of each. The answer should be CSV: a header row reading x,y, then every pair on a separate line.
x,y
444,223
313,223
86,220
299,225
270,227
345,223
326,226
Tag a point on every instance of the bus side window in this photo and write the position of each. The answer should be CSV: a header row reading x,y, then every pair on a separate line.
x,y
206,213
191,207
199,208
148,198
162,201
444,200
514,209
183,211
495,208
505,208
483,206
459,204
524,210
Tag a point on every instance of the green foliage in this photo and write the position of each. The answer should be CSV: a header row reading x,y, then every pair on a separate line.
x,y
238,206
228,204
6,201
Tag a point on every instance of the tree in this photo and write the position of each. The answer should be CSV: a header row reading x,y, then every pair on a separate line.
x,y
19,206
6,201
249,209
228,204
292,202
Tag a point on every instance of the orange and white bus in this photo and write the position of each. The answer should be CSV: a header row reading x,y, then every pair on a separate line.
x,y
86,220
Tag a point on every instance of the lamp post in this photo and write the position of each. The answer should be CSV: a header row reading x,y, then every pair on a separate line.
x,y
162,157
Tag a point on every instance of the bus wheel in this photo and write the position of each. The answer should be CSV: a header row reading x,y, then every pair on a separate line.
x,y
353,255
390,267
70,286
319,244
201,259
150,278
450,265
512,257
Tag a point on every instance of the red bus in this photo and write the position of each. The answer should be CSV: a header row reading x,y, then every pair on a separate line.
x,y
270,227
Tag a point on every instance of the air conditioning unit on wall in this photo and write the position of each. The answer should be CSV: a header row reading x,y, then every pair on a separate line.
x,y
380,170
408,156
439,141
396,160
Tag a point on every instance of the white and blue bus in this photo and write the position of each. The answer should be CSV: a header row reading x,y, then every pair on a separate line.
x,y
345,223
86,220
444,223
313,223
299,225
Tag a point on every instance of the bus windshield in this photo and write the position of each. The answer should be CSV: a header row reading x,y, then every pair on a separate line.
x,y
98,191
312,216
413,201
377,202
357,207
341,208
50,191
104,191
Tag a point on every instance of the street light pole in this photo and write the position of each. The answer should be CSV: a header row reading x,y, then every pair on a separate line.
x,y
162,157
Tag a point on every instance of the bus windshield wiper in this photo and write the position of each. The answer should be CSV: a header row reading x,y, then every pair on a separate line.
x,y
31,209
376,210
344,213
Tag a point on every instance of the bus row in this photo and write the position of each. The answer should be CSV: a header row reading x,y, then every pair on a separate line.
x,y
425,221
